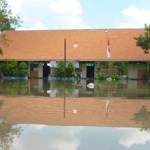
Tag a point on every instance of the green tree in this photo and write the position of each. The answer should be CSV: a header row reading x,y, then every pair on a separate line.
x,y
22,69
143,41
7,21
70,70
9,68
60,70
14,68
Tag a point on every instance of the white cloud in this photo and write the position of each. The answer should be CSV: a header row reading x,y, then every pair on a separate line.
x,y
48,137
36,26
134,17
39,25
131,137
68,13
52,14
66,7
15,5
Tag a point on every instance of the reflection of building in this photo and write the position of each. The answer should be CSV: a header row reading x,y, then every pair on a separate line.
x,y
78,111
137,70
42,47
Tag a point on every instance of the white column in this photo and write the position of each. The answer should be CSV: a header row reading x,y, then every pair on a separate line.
x,y
40,70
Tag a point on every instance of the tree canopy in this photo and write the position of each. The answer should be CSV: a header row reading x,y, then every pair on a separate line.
x,y
8,21
144,40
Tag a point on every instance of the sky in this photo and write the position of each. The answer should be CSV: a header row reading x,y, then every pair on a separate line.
x,y
81,14
80,138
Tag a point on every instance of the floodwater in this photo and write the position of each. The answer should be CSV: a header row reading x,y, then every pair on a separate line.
x,y
51,115
124,89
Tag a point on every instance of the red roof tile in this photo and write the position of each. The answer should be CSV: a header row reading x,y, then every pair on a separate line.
x,y
49,45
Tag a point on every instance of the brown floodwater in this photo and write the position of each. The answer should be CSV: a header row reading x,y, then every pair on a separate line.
x,y
51,115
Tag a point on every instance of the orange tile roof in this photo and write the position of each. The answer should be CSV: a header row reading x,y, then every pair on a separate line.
x,y
49,45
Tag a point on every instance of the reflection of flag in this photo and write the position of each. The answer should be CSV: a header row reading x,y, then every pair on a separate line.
x,y
108,53
107,106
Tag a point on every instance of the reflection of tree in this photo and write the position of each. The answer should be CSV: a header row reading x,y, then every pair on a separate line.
x,y
1,103
14,87
7,134
143,117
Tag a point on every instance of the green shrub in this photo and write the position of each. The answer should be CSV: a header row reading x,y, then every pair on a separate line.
x,y
13,68
59,72
9,68
115,76
22,69
102,76
70,70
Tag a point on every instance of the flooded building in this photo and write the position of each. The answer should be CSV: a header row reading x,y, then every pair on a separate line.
x,y
43,49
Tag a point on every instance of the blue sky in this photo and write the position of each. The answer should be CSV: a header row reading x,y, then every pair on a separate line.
x,y
75,14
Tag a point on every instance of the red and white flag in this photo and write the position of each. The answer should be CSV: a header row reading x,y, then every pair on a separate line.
x,y
108,51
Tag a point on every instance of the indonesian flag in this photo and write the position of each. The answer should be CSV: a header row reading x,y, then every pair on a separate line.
x,y
108,52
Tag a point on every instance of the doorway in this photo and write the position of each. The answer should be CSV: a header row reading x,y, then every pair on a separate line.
x,y
46,70
90,71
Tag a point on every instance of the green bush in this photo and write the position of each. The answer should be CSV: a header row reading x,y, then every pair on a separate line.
x,y
9,68
59,72
70,70
115,76
102,76
22,69
13,68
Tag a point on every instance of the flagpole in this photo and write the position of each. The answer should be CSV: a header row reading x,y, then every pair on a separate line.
x,y
65,65
65,45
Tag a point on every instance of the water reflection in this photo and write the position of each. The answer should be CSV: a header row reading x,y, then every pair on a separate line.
x,y
80,138
128,89
143,117
85,111
1,103
39,114
89,123
8,133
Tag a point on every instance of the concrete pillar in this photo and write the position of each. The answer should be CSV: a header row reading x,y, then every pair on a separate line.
x,y
40,70
83,70
29,70
40,85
